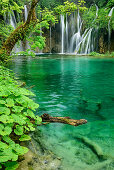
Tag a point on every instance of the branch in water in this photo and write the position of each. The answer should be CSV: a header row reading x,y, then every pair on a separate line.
x,y
66,120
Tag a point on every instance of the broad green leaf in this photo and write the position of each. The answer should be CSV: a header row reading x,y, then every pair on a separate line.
x,y
20,150
6,130
4,158
38,120
1,126
3,145
11,165
4,118
8,154
8,140
26,92
4,110
9,102
0,166
17,109
18,130
2,102
18,119
21,100
30,113
30,125
24,138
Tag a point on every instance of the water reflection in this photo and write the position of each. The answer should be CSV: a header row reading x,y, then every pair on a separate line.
x,y
79,88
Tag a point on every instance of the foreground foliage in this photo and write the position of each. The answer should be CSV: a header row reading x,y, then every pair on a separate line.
x,y
16,110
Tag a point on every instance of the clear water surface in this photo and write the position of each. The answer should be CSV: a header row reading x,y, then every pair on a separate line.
x,y
82,88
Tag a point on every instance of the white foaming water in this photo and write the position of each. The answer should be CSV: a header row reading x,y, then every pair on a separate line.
x,y
109,30
62,33
74,39
26,12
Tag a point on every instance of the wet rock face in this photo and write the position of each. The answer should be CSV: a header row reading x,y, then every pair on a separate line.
x,y
53,42
34,162
38,157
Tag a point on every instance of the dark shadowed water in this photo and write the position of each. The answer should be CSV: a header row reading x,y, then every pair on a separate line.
x,y
82,88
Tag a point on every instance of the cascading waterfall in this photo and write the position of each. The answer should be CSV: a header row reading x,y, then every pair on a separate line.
x,y
66,32
109,30
81,44
62,33
12,21
25,12
26,15
73,38
50,39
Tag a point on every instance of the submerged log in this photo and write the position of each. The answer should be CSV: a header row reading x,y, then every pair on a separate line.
x,y
66,120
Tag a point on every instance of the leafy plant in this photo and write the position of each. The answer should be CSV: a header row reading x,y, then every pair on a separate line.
x,y
107,54
16,113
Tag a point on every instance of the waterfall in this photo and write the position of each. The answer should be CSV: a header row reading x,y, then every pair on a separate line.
x,y
96,11
12,20
66,32
74,39
50,39
19,47
25,12
62,33
81,43
109,30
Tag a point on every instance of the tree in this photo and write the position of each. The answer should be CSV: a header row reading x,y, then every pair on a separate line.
x,y
23,31
20,32
17,116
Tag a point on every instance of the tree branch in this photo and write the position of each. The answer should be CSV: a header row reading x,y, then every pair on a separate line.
x,y
66,120
20,32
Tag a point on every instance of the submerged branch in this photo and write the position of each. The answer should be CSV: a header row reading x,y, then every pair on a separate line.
x,y
66,120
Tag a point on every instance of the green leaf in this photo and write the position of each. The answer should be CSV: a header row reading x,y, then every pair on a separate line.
x,y
3,145
8,140
9,102
6,130
24,138
4,118
30,125
18,130
38,120
2,102
4,110
8,154
21,150
17,109
4,158
26,92
11,165
30,113
0,166
18,119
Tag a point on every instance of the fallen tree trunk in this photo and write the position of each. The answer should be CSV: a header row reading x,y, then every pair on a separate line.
x,y
66,120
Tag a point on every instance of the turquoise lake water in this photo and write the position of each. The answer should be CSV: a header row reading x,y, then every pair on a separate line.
x,y
81,88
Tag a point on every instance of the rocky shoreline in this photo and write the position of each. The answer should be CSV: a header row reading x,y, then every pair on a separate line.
x,y
38,157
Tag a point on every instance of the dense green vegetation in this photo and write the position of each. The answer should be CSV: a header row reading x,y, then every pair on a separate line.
x,y
16,112
16,108
102,55
33,25
101,20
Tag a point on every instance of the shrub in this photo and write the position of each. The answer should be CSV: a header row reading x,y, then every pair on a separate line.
x,y
16,113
